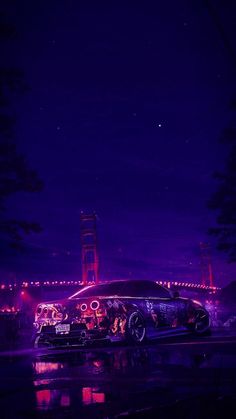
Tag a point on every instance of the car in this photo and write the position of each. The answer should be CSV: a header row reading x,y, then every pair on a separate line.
x,y
128,310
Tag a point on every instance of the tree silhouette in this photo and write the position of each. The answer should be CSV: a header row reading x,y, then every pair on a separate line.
x,y
15,173
224,199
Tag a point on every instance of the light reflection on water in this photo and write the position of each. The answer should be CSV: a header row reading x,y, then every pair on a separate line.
x,y
51,399
48,398
93,378
92,395
46,367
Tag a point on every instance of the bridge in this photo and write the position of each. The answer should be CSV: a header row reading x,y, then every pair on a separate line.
x,y
26,294
188,286
58,284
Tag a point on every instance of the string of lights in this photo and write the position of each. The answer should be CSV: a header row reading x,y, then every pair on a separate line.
x,y
168,284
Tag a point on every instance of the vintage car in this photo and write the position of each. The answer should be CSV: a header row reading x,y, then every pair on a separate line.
x,y
129,310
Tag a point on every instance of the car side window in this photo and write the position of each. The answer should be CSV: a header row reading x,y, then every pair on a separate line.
x,y
155,290
146,289
162,292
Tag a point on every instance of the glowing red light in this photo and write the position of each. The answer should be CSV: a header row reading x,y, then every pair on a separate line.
x,y
87,395
98,397
43,398
90,395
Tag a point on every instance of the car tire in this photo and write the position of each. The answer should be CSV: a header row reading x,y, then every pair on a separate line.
x,y
202,322
135,328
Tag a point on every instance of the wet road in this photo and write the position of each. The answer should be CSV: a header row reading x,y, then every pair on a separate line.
x,y
175,378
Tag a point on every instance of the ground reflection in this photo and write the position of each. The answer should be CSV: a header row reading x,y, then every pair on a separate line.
x,y
130,378
46,367
92,395
47,399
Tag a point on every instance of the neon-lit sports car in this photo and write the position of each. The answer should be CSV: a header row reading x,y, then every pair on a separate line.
x,y
130,310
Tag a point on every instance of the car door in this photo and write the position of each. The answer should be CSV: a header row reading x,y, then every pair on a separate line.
x,y
161,306
156,303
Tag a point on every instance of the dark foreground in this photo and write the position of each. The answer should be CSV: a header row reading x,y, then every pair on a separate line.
x,y
178,379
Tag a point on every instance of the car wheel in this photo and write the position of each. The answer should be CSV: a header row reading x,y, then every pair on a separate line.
x,y
135,328
202,322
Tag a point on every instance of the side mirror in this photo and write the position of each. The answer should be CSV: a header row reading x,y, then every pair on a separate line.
x,y
176,294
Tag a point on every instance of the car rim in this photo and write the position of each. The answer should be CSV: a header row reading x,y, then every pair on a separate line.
x,y
137,327
202,321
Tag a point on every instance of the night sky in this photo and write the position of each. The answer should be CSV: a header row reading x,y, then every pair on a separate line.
x,y
126,105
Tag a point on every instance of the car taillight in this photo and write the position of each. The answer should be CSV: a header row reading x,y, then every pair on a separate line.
x,y
94,305
83,307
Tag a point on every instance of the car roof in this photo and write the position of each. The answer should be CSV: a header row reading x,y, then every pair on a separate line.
x,y
129,287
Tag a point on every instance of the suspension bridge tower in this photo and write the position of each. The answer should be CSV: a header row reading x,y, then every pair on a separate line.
x,y
88,228
206,265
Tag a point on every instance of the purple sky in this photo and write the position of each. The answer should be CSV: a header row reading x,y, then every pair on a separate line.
x,y
123,117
